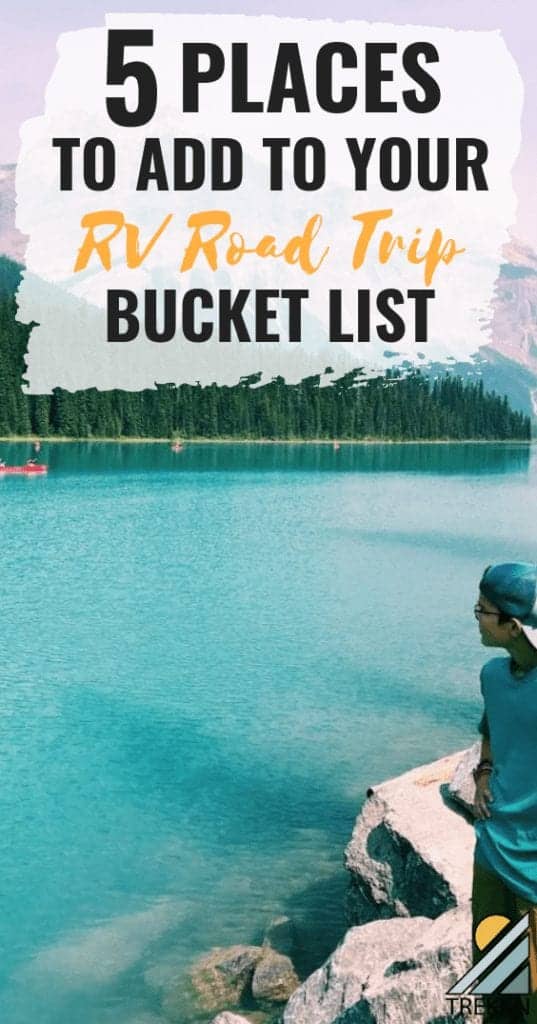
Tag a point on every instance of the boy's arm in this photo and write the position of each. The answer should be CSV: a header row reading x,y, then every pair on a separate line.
x,y
483,796
486,752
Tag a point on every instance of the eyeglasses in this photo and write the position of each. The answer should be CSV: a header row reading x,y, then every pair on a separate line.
x,y
479,610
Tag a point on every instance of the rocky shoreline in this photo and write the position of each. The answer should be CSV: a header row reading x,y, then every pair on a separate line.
x,y
410,864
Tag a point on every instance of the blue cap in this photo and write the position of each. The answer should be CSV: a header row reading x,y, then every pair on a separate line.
x,y
512,587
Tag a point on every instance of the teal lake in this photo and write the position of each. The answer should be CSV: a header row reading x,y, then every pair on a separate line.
x,y
207,659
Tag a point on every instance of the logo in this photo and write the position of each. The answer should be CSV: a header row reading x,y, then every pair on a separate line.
x,y
503,969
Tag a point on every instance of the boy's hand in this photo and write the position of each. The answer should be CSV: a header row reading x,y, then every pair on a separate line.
x,y
483,797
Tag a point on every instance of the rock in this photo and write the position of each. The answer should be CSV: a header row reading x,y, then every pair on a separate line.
x,y
145,1018
280,935
223,976
388,972
410,860
254,1017
410,853
274,978
462,786
229,1018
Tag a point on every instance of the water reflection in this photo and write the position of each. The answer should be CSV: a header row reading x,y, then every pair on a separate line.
x,y
445,459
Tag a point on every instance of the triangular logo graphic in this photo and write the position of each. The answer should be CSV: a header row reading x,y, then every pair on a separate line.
x,y
504,966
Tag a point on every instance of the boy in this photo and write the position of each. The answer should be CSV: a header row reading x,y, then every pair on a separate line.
x,y
505,866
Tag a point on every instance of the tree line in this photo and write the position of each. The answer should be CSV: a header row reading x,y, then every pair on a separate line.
x,y
395,406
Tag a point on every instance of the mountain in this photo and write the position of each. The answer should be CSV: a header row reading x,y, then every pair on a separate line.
x,y
12,242
514,321
507,363
510,364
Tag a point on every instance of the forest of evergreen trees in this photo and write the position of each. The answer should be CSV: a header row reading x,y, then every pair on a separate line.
x,y
392,407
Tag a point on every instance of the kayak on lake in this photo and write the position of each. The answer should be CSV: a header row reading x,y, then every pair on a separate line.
x,y
30,468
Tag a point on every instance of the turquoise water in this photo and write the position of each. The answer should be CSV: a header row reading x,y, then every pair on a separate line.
x,y
207,658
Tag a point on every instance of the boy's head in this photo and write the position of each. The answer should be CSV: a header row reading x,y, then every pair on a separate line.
x,y
508,604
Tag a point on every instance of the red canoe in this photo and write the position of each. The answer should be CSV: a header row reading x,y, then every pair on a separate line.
x,y
32,468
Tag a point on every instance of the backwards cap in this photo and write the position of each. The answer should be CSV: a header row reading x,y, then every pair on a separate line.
x,y
512,587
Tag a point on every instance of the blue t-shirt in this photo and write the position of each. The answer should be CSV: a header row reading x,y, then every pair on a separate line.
x,y
507,841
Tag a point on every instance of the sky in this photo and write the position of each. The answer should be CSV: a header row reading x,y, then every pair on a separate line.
x,y
31,28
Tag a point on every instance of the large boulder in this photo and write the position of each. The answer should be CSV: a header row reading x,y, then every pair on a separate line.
x,y
410,861
230,1018
229,978
222,977
253,1017
461,787
388,972
274,978
410,853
